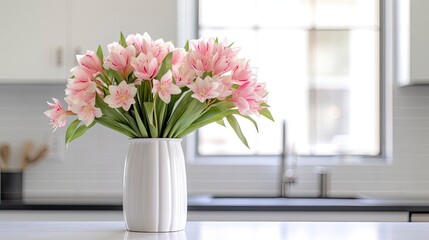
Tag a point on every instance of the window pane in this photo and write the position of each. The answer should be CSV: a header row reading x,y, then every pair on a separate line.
x,y
346,13
324,82
290,13
236,13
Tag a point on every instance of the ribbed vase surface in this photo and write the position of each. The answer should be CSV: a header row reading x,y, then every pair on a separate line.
x,y
154,190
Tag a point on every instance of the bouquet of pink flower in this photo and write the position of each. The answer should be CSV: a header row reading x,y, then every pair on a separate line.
x,y
150,89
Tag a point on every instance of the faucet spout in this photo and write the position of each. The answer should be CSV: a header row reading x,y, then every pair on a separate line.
x,y
287,168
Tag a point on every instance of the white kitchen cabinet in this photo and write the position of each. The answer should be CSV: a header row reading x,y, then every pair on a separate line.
x,y
32,40
299,216
99,22
40,38
419,217
412,44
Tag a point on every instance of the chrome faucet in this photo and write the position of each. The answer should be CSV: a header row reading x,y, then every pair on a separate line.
x,y
287,168
324,181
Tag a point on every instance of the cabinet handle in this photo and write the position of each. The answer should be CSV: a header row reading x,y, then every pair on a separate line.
x,y
77,51
59,56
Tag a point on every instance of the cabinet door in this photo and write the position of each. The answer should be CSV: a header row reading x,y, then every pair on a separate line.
x,y
99,22
32,39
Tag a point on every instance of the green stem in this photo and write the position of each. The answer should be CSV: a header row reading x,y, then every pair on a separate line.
x,y
153,111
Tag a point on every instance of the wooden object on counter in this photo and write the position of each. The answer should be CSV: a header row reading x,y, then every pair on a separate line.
x,y
5,156
27,157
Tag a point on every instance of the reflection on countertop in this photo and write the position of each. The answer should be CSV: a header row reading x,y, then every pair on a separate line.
x,y
115,230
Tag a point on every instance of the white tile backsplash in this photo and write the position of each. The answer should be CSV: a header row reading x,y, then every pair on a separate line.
x,y
93,164
90,166
405,176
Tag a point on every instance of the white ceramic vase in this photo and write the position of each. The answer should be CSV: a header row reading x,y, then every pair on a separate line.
x,y
155,191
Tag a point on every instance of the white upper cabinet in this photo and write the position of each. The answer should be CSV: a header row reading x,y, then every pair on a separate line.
x,y
413,39
40,38
32,40
99,22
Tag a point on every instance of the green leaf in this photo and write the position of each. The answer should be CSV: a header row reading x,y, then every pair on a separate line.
x,y
100,54
224,105
148,107
193,111
160,111
221,122
166,65
210,116
118,77
236,127
80,131
71,129
129,129
132,123
140,124
187,46
172,103
122,40
114,126
180,107
216,40
266,113
147,95
104,79
252,120
205,74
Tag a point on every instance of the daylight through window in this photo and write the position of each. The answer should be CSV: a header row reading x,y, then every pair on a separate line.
x,y
321,62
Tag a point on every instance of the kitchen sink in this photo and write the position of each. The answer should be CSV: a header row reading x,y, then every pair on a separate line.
x,y
291,197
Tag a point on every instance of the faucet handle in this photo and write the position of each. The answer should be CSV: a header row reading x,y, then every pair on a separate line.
x,y
289,176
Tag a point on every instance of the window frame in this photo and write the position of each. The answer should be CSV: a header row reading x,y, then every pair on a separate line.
x,y
386,79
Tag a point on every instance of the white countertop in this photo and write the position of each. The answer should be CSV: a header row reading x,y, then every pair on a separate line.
x,y
110,230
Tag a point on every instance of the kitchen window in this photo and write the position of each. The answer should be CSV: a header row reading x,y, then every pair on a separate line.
x,y
322,62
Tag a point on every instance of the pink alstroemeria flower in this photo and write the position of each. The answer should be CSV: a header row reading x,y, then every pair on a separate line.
x,y
242,73
82,79
90,62
135,40
198,62
184,75
207,55
249,97
204,89
204,47
145,66
86,112
81,88
121,95
225,87
165,87
158,48
223,58
200,55
177,57
57,114
120,58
